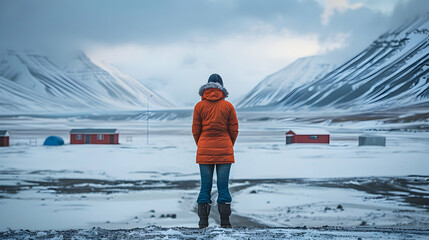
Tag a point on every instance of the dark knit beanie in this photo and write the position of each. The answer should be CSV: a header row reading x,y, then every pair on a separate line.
x,y
216,78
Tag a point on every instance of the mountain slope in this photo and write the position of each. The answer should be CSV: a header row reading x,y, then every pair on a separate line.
x,y
36,73
14,97
278,85
392,72
112,85
30,82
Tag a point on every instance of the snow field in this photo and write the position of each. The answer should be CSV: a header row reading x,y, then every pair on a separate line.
x,y
44,202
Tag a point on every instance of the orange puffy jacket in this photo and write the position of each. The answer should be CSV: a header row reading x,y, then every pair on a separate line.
x,y
215,126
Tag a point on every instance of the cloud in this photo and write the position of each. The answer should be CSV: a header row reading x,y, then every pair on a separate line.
x,y
62,26
178,69
364,25
406,11
174,45
337,5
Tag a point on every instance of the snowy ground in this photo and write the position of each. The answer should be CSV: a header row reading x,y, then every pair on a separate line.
x,y
135,184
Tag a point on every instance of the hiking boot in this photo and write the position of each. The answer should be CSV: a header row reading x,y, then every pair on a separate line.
x,y
225,212
203,213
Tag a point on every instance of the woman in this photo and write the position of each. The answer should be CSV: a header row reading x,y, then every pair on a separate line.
x,y
215,129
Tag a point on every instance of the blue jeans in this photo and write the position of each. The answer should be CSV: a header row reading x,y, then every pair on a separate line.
x,y
222,172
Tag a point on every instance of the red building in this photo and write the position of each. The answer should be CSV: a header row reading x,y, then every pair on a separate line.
x,y
4,138
94,136
307,137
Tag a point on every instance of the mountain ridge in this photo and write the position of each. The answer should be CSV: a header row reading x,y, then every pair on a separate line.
x,y
391,72
280,83
48,88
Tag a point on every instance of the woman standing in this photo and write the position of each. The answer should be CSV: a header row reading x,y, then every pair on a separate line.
x,y
215,129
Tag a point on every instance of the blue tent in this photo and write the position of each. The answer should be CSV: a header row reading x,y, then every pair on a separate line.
x,y
53,141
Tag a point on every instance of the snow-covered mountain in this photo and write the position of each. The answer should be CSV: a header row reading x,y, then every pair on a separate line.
x,y
14,97
392,72
278,85
30,82
111,84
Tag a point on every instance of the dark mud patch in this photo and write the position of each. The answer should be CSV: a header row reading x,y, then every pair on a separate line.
x,y
174,174
48,172
412,190
85,185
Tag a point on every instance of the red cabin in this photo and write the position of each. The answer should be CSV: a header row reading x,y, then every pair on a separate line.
x,y
307,137
4,138
94,136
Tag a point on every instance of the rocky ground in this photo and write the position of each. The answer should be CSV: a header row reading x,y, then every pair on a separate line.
x,y
155,232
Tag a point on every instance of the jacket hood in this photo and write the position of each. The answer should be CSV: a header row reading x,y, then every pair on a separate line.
x,y
214,85
213,94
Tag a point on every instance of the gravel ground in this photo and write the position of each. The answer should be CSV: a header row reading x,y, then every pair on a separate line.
x,y
154,232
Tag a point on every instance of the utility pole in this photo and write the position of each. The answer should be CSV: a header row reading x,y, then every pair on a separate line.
x,y
147,119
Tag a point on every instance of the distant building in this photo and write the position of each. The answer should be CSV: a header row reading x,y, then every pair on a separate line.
x,y
307,137
94,136
372,140
4,138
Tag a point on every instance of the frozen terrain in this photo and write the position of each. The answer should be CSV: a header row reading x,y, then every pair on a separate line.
x,y
135,184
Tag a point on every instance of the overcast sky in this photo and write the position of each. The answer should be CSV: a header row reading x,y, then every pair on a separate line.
x,y
173,46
